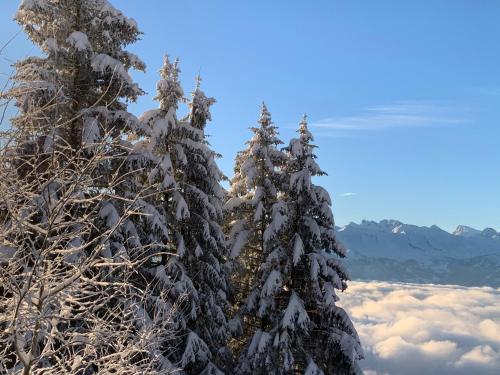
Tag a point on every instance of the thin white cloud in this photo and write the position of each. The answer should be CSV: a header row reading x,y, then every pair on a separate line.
x,y
426,329
348,194
402,114
488,91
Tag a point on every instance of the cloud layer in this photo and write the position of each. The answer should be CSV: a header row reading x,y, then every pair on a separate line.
x,y
426,329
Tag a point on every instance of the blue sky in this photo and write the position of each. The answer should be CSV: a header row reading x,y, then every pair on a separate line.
x,y
403,97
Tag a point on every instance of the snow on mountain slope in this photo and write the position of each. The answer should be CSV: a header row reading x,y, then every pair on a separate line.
x,y
465,231
394,251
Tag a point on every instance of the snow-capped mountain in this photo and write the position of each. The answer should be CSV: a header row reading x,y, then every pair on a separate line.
x,y
393,251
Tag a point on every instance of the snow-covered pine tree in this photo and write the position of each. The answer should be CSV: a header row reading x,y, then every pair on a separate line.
x,y
152,159
200,242
74,288
301,329
164,143
254,190
315,336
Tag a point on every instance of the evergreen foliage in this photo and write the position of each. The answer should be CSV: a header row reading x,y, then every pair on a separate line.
x,y
298,328
113,256
254,191
204,244
193,207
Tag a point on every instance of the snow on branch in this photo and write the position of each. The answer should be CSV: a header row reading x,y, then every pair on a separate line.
x,y
79,41
295,316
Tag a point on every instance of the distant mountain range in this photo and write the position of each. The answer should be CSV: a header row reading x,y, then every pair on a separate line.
x,y
393,251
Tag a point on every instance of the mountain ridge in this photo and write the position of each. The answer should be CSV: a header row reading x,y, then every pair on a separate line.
x,y
390,250
460,230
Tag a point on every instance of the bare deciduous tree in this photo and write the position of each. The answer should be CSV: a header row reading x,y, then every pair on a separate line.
x,y
72,299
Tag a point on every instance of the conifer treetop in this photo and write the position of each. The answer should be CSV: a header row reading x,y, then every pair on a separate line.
x,y
301,152
83,77
169,90
265,116
89,29
200,106
305,134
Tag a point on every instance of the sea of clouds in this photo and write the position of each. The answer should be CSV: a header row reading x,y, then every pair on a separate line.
x,y
426,329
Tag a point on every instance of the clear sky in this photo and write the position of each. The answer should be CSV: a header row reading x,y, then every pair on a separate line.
x,y
403,96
